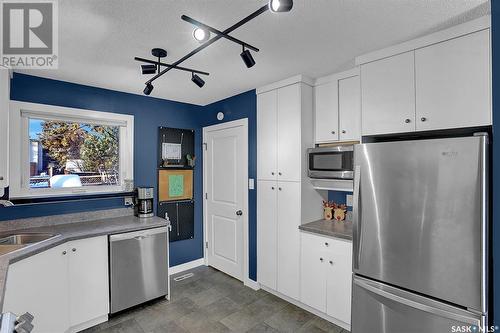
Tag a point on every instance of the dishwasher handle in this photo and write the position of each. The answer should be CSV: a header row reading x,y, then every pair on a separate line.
x,y
138,235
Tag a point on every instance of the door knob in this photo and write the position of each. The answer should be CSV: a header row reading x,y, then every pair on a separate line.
x,y
407,120
239,213
423,119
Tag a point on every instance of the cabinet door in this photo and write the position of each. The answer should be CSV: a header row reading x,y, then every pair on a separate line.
x,y
453,83
267,233
313,260
4,129
326,108
349,109
267,135
388,95
288,239
39,285
88,280
339,280
289,133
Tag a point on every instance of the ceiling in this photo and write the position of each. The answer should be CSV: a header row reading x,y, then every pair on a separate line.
x,y
98,40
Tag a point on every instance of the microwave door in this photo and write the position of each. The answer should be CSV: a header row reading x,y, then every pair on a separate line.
x,y
331,163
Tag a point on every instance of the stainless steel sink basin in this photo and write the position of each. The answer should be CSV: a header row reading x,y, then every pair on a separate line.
x,y
25,238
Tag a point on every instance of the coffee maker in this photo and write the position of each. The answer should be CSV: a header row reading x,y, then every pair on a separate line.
x,y
144,202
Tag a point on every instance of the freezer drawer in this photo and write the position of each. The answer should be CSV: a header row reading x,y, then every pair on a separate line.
x,y
379,308
139,267
420,217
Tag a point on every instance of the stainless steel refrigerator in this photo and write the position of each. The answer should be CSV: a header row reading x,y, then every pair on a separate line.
x,y
420,216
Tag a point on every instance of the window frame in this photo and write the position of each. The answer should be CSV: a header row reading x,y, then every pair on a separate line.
x,y
21,112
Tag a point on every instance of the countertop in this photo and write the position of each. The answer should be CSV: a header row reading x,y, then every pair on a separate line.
x,y
73,231
329,228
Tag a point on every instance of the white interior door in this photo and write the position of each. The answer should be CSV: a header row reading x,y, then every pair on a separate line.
x,y
226,213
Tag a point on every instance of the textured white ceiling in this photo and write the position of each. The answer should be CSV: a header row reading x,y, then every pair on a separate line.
x,y
99,38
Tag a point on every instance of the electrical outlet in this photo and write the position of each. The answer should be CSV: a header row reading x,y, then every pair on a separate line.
x,y
349,200
129,201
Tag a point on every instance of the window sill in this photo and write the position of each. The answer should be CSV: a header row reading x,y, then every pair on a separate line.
x,y
73,197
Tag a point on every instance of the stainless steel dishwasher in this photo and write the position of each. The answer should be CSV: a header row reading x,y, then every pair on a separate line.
x,y
139,267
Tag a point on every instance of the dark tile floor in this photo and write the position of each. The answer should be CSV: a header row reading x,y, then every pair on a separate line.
x,y
211,301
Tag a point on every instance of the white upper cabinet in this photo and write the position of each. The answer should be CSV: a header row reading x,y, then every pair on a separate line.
x,y
337,112
326,108
453,83
439,81
267,135
388,95
4,128
289,133
349,109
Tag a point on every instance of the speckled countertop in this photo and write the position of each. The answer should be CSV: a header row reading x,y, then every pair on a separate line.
x,y
72,231
329,228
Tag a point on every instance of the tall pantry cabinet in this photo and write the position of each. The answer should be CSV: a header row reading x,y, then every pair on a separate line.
x,y
285,197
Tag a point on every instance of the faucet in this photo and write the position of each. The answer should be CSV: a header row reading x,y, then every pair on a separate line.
x,y
6,203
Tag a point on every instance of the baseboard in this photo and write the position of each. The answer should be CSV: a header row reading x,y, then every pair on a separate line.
x,y
88,324
308,308
251,284
186,266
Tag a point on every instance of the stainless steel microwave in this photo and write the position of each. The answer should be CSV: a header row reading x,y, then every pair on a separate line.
x,y
336,162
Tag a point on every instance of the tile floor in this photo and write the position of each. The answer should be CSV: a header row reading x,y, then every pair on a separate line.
x,y
211,301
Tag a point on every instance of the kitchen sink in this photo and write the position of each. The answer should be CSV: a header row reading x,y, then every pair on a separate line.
x,y
25,238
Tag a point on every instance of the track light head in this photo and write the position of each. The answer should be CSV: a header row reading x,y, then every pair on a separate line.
x,y
148,69
197,80
247,58
277,6
201,35
148,89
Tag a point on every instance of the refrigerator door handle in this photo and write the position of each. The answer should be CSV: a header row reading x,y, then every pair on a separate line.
x,y
356,225
417,305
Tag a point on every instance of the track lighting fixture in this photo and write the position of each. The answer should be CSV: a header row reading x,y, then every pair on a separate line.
x,y
148,89
197,80
247,58
201,35
280,5
148,69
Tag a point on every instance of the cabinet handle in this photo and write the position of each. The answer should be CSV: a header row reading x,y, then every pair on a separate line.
x,y
1,177
326,243
73,249
272,173
343,131
279,173
407,120
279,188
321,259
272,188
333,132
423,119
331,262
64,253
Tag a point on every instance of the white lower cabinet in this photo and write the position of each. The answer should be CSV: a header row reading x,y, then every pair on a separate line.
x,y
326,266
65,287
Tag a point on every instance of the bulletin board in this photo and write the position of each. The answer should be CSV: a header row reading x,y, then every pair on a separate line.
x,y
175,185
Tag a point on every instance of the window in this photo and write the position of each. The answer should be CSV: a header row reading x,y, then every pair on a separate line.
x,y
62,151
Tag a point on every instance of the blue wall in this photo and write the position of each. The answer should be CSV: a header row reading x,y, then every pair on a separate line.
x,y
495,33
149,114
237,107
